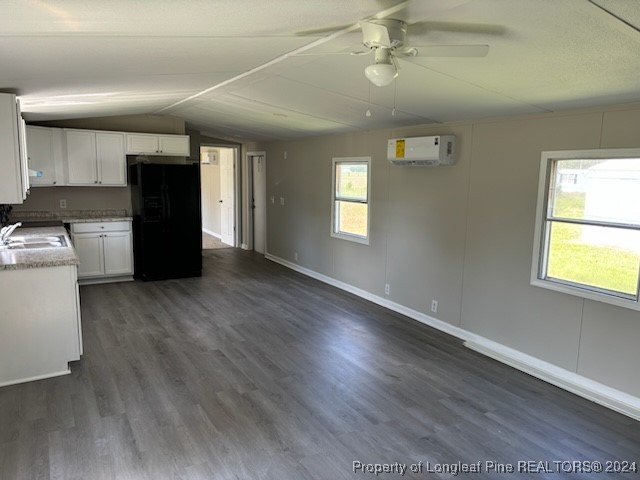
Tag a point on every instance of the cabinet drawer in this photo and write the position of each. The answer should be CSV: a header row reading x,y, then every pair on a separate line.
x,y
91,227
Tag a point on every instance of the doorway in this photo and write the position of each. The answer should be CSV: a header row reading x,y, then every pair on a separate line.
x,y
218,188
258,200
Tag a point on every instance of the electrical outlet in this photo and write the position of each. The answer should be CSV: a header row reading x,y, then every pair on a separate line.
x,y
63,204
434,306
387,289
273,199
281,200
285,154
295,256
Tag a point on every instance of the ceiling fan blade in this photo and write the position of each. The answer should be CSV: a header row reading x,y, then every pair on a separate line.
x,y
356,53
447,51
377,35
427,26
320,32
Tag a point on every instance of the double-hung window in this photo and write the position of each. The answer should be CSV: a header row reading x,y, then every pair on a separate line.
x,y
587,239
351,182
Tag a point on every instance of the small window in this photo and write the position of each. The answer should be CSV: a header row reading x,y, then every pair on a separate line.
x,y
588,225
350,199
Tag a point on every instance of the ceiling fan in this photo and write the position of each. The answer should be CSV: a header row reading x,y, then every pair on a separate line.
x,y
386,39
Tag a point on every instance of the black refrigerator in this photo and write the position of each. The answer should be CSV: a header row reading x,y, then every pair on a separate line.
x,y
167,228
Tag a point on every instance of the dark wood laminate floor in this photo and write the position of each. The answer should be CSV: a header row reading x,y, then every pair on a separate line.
x,y
257,372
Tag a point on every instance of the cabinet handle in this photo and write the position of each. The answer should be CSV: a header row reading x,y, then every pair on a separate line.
x,y
95,181
55,182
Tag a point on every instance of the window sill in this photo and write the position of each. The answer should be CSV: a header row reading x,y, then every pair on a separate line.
x,y
351,238
586,294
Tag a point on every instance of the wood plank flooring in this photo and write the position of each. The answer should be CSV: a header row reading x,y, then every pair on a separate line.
x,y
256,372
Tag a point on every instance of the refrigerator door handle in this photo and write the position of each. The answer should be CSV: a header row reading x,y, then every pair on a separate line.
x,y
167,199
165,211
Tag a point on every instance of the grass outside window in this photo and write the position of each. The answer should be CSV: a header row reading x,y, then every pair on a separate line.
x,y
589,226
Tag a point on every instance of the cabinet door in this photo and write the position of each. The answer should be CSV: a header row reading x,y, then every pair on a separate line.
x,y
111,159
89,247
11,180
174,145
81,157
117,253
41,159
139,143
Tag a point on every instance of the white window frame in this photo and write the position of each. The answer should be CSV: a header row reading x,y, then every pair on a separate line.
x,y
334,225
540,242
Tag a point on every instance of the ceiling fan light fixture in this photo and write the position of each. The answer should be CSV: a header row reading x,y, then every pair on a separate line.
x,y
381,74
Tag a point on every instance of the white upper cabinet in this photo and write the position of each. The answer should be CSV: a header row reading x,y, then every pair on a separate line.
x,y
150,144
112,161
44,147
14,181
82,165
174,145
95,158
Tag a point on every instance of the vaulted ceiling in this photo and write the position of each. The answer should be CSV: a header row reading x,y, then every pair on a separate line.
x,y
230,69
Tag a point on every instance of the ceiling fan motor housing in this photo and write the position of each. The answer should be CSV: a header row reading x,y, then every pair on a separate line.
x,y
396,31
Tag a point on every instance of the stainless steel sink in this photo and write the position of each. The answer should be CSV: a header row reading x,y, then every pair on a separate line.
x,y
33,243
29,240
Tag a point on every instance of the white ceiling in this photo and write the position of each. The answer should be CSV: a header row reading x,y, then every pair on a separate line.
x,y
224,67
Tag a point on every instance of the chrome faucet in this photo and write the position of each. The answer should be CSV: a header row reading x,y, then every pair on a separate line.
x,y
6,232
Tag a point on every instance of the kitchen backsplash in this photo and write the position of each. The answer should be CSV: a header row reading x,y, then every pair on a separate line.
x,y
61,215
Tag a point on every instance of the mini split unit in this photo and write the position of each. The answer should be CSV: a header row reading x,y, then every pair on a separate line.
x,y
422,151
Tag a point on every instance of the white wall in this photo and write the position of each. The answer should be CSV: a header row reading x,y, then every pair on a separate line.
x,y
462,235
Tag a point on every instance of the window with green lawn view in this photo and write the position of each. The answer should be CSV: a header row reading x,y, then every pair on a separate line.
x,y
350,198
588,225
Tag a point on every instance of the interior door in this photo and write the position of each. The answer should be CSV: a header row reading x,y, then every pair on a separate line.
x,y
259,182
227,210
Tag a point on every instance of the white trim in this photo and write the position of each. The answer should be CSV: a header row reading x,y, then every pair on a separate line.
x,y
345,235
538,261
98,280
37,377
212,233
601,394
572,382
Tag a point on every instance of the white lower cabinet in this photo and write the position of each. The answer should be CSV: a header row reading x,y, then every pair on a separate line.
x,y
105,251
40,329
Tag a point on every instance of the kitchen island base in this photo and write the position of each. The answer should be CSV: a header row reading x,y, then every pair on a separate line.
x,y
40,330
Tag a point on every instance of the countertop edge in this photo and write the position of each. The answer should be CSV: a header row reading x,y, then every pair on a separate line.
x,y
40,258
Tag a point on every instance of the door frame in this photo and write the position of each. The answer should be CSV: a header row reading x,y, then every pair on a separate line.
x,y
250,222
237,191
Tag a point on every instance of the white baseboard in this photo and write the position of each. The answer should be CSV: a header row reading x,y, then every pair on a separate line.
x,y
612,398
37,377
212,233
244,246
584,387
98,280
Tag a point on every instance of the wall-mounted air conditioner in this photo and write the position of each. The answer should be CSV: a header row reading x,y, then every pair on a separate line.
x,y
422,151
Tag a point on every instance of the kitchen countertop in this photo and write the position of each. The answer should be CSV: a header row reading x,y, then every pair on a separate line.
x,y
16,259
102,219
